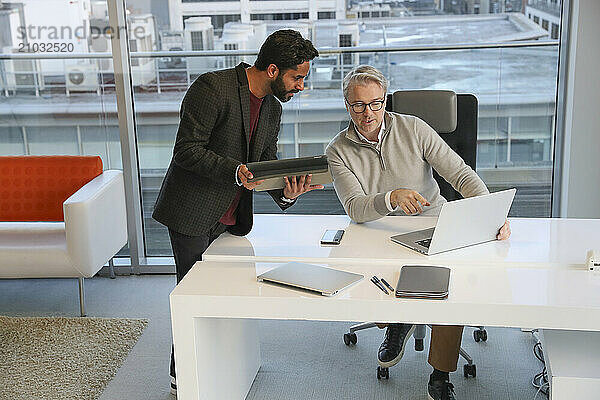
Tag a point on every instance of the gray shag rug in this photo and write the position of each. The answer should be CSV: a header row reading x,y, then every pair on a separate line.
x,y
63,358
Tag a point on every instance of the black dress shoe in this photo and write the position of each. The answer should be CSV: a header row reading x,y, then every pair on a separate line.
x,y
440,390
392,348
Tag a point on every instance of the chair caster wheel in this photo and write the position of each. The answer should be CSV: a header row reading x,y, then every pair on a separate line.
x,y
350,338
469,370
419,345
383,373
480,334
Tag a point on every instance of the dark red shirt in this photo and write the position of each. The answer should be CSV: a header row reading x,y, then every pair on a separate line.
x,y
230,216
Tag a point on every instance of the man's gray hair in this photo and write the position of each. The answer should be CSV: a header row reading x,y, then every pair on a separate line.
x,y
362,75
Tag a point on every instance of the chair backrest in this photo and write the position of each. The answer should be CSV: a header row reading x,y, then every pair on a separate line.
x,y
453,116
34,188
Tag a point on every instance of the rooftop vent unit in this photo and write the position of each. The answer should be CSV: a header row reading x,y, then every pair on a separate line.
x,y
22,74
82,78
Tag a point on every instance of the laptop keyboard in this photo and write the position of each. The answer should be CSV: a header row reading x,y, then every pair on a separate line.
x,y
424,242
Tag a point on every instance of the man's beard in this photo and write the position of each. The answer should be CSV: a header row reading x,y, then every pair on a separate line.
x,y
278,89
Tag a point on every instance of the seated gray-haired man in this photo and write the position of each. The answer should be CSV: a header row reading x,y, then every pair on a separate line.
x,y
381,165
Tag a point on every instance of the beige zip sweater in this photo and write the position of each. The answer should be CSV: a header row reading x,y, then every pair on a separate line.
x,y
363,173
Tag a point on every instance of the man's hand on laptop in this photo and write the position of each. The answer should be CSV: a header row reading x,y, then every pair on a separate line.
x,y
410,201
244,174
504,232
297,185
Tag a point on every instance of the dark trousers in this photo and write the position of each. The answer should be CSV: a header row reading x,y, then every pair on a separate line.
x,y
187,250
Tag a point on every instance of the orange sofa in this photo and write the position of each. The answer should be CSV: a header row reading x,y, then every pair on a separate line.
x,y
60,217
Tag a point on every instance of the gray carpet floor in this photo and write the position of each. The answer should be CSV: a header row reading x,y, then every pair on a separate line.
x,y
301,359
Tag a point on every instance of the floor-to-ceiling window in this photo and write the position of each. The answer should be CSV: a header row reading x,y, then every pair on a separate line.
x,y
57,93
58,104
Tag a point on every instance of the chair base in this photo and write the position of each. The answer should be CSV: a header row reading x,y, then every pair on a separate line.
x,y
469,369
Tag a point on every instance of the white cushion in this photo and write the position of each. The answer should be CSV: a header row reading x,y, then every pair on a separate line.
x,y
95,229
34,249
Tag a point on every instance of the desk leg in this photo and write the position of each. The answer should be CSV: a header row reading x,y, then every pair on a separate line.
x,y
573,363
215,358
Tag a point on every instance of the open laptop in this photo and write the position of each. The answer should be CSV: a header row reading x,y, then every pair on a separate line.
x,y
326,281
462,223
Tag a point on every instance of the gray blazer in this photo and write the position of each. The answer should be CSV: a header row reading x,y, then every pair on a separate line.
x,y
212,140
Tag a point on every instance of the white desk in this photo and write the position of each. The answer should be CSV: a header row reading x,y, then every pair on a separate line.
x,y
215,308
282,238
573,363
534,279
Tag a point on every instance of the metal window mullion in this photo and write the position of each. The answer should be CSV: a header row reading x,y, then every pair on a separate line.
x,y
3,77
252,52
552,130
79,141
127,130
147,269
296,138
559,167
508,137
107,148
157,68
25,140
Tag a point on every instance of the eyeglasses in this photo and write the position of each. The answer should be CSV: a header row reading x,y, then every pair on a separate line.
x,y
360,108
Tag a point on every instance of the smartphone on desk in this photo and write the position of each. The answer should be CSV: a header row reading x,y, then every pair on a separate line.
x,y
332,236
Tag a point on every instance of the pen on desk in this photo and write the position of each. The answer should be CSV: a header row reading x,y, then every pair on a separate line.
x,y
378,284
377,281
387,284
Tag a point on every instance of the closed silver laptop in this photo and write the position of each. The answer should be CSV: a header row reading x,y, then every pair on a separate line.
x,y
462,223
326,281
274,171
318,178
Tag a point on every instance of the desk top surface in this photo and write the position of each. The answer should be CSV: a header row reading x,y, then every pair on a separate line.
x,y
550,297
280,238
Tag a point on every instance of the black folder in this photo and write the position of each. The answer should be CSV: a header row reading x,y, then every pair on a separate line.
x,y
273,171
423,282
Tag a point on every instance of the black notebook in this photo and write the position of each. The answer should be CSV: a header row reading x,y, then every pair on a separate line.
x,y
273,171
423,282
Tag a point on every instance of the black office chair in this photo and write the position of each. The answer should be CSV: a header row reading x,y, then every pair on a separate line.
x,y
454,117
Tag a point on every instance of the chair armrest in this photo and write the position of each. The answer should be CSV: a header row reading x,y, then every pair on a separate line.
x,y
96,222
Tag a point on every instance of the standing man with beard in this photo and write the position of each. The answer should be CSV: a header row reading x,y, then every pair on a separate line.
x,y
227,119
